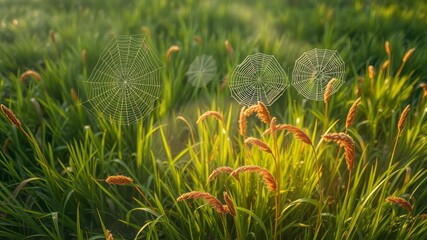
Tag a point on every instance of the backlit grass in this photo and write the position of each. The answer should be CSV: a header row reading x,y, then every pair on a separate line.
x,y
65,174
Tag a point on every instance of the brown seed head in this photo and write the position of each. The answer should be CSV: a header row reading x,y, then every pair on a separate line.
x,y
401,202
387,48
52,36
328,90
267,177
273,125
371,71
229,48
351,115
263,113
108,235
219,170
424,87
119,180
172,49
259,143
298,133
11,116
74,95
208,198
402,119
223,83
30,73
230,204
408,54
84,56
251,109
346,142
242,122
146,30
198,40
213,114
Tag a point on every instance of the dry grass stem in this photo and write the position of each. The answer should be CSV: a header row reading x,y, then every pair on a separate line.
x,y
328,90
171,49
401,202
230,205
371,71
11,116
259,143
346,142
263,113
119,180
264,173
402,119
30,73
219,170
242,122
208,198
351,115
207,114
408,55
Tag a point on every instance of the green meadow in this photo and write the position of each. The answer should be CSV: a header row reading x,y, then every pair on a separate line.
x,y
192,162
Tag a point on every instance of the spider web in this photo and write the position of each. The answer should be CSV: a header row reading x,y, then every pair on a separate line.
x,y
314,69
125,82
258,78
201,71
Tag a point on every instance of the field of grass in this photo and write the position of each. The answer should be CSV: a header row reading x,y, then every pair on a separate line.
x,y
65,174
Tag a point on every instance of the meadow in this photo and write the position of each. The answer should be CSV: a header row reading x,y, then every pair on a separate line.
x,y
201,166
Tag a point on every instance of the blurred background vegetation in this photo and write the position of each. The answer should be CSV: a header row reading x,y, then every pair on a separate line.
x,y
62,41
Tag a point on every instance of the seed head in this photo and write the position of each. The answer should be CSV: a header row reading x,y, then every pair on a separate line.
x,y
207,114
11,116
259,143
119,180
207,197
328,90
401,202
402,119
351,115
345,141
371,71
172,49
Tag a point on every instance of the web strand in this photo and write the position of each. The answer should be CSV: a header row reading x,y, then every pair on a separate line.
x,y
125,82
258,78
314,69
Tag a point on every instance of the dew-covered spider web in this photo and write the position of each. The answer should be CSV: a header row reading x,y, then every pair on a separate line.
x,y
201,71
314,69
258,78
125,83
